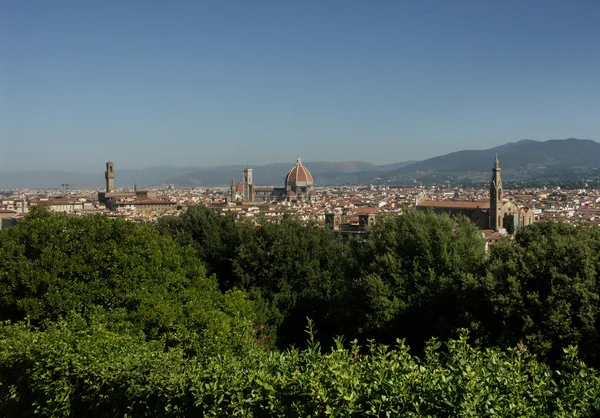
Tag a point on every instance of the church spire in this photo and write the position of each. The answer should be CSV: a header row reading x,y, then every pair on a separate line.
x,y
233,189
496,213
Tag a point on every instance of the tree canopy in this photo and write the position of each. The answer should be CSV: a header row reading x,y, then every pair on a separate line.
x,y
542,289
203,314
54,265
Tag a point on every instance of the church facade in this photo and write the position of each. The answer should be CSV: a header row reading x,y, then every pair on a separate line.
x,y
495,214
298,187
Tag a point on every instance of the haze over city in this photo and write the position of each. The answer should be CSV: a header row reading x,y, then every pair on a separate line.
x,y
208,83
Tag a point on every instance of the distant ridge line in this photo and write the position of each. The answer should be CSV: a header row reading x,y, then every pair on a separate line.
x,y
525,159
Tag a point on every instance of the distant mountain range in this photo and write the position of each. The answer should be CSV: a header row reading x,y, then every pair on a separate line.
x,y
562,159
558,159
270,174
325,173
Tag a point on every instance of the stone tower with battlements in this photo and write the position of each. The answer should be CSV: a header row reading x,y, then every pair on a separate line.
x,y
496,214
109,175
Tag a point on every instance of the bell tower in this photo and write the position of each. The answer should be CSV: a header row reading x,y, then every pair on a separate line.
x,y
109,175
496,215
248,193
247,173
233,189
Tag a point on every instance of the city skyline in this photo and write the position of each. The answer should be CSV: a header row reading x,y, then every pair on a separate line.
x,y
199,85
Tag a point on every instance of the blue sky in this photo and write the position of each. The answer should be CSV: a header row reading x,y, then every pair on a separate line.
x,y
203,83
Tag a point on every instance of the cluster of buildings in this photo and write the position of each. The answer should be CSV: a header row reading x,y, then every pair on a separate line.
x,y
347,210
495,216
299,186
133,201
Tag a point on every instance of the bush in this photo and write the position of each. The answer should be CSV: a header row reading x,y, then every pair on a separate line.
x,y
75,368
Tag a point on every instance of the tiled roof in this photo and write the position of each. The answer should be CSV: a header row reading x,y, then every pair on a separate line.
x,y
368,210
146,202
458,204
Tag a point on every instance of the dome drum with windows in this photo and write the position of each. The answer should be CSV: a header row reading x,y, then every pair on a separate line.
x,y
299,180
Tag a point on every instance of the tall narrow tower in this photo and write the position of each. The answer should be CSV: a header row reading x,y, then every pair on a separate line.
x,y
496,221
248,187
247,175
109,175
233,191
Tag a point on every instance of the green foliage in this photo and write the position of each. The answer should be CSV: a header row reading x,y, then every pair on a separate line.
x,y
105,317
543,289
292,271
510,225
411,276
76,368
216,239
54,265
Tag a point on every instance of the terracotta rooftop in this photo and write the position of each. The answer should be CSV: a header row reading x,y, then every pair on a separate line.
x,y
146,202
118,194
588,210
368,210
459,204
491,235
53,202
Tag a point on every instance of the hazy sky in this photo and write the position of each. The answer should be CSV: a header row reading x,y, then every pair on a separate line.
x,y
201,83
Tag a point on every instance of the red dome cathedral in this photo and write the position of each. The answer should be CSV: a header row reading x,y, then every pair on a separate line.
x,y
299,181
